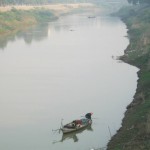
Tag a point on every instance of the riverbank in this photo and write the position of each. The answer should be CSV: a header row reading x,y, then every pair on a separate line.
x,y
135,131
57,9
14,18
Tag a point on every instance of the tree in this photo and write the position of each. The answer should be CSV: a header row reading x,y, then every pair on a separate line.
x,y
139,1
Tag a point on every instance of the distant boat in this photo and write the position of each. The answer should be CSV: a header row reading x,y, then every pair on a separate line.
x,y
72,30
91,17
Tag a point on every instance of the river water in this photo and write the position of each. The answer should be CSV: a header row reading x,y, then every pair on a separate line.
x,y
62,70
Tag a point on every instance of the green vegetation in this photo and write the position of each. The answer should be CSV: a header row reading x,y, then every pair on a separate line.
x,y
139,1
20,2
40,2
135,131
17,19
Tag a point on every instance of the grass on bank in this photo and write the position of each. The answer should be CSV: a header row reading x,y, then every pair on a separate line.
x,y
16,19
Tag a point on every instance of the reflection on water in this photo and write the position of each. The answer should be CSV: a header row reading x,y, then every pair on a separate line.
x,y
35,33
74,135
4,41
41,32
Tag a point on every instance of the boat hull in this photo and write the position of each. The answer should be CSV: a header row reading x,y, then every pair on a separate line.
x,y
66,129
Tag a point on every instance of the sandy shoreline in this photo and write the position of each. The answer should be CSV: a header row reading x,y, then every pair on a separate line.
x,y
55,8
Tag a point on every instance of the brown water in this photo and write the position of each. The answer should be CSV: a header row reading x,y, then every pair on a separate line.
x,y
64,69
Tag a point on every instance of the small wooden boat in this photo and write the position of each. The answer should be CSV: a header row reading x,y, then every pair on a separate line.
x,y
90,17
76,125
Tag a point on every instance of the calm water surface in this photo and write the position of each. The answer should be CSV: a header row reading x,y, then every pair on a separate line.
x,y
63,69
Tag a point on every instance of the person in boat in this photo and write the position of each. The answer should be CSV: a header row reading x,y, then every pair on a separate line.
x,y
76,123
88,115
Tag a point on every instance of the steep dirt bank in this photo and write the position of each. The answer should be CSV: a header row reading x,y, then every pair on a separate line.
x,y
135,131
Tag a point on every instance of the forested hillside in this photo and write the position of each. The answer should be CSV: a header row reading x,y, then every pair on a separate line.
x,y
139,1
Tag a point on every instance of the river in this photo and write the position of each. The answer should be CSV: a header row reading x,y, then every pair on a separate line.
x,y
62,70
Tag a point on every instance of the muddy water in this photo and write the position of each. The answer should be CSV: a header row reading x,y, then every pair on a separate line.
x,y
64,69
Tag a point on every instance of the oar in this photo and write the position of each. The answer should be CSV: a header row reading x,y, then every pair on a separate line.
x,y
61,126
55,130
61,123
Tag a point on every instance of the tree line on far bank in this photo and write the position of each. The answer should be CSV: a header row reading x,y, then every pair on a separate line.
x,y
139,1
31,2
40,2
37,2
20,2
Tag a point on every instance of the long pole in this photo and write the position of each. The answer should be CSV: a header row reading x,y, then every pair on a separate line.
x,y
109,132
